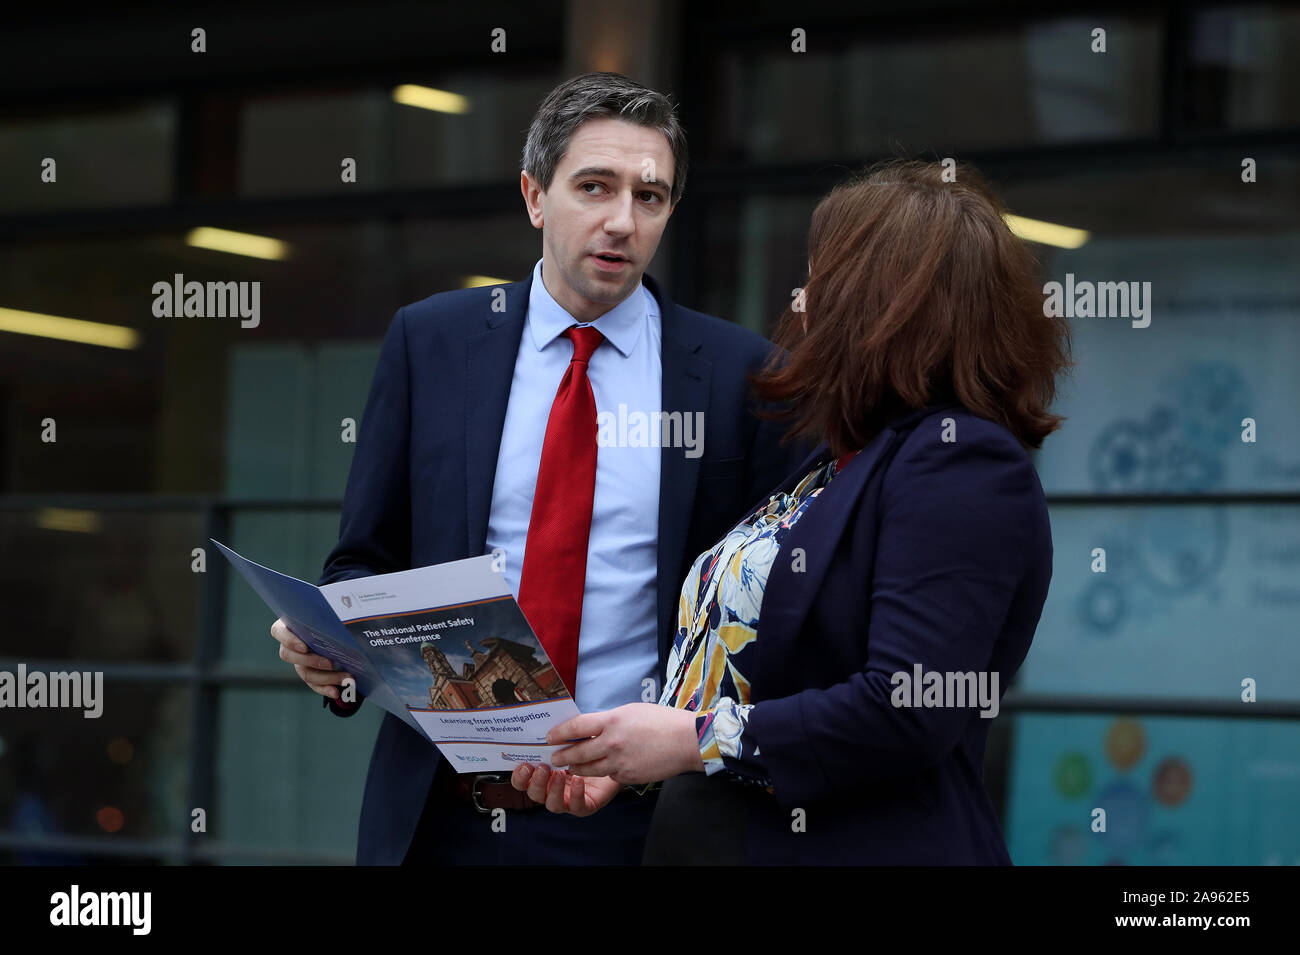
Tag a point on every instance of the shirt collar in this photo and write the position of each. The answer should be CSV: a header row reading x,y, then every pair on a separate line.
x,y
621,325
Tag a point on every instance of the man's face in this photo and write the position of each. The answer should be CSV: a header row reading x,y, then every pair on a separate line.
x,y
603,214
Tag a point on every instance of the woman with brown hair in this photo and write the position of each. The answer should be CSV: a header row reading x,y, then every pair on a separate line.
x,y
840,652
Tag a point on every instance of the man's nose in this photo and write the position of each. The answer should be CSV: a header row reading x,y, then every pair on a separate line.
x,y
620,220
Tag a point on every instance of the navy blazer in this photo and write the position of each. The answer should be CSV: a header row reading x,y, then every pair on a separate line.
x,y
420,486
921,550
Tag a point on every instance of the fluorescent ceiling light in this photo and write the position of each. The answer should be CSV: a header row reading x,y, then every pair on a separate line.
x,y
475,281
67,519
68,329
237,243
1046,233
426,97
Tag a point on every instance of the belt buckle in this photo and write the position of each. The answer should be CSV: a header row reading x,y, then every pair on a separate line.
x,y
481,778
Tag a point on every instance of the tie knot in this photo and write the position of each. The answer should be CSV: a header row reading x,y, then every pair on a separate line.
x,y
585,341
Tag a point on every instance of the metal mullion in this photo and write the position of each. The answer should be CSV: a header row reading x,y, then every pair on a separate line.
x,y
159,502
835,28
160,848
447,201
167,674
709,180
127,673
1236,498
219,852
203,700
1183,708
1175,35
92,845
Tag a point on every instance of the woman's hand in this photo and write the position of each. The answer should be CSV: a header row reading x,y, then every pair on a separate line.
x,y
635,743
563,792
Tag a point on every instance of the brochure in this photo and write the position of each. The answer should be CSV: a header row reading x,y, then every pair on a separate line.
x,y
444,648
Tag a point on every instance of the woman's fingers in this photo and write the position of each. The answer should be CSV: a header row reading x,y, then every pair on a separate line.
x,y
556,799
578,797
537,783
560,791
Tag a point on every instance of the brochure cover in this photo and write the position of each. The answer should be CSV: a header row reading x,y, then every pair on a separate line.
x,y
444,648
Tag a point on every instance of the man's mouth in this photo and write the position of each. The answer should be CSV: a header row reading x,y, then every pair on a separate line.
x,y
611,261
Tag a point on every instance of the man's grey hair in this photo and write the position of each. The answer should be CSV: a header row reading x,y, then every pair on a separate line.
x,y
594,95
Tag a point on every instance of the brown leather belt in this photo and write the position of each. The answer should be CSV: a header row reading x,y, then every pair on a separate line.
x,y
489,791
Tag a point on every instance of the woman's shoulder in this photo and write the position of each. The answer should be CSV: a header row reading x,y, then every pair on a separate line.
x,y
954,434
962,460
954,475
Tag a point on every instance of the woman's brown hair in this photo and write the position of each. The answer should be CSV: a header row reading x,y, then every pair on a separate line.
x,y
917,292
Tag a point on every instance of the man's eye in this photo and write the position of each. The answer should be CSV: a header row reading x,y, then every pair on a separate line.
x,y
652,197
584,186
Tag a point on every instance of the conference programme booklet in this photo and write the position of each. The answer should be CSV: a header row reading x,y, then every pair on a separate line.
x,y
444,648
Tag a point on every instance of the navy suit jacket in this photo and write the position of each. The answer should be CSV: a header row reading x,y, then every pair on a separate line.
x,y
420,486
921,550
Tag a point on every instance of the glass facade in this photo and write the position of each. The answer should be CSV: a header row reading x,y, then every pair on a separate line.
x,y
202,427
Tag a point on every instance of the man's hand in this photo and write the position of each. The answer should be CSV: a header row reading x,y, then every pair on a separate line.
x,y
635,743
563,792
317,672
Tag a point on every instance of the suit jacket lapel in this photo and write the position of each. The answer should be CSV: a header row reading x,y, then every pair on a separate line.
x,y
685,376
489,370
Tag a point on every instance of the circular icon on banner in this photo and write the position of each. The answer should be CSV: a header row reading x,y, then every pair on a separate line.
x,y
1125,743
1121,458
1171,783
1103,606
1181,467
1073,775
1212,397
1181,549
1174,462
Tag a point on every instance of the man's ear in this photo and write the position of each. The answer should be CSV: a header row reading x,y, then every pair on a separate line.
x,y
532,199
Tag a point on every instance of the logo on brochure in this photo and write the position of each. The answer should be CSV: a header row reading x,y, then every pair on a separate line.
x,y
521,757
347,601
471,759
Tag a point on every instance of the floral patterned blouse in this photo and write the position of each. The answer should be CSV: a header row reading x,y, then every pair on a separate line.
x,y
717,624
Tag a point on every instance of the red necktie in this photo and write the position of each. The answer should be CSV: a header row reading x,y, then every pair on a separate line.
x,y
555,554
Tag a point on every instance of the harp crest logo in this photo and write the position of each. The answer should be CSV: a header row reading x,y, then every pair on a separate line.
x,y
347,601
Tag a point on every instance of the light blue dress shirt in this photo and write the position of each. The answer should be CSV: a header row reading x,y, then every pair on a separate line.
x,y
617,646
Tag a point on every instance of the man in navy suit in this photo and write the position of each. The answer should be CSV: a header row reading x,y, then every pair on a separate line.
x,y
456,458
